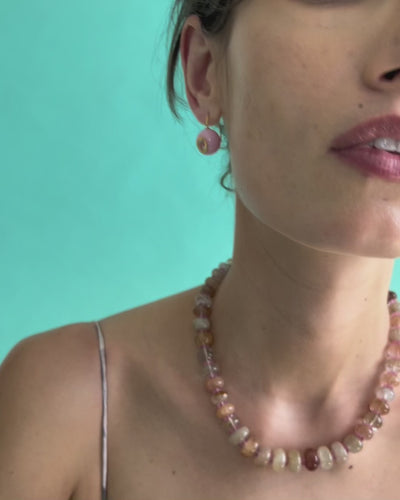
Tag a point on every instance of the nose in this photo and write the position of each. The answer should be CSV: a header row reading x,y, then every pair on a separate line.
x,y
383,73
391,75
382,68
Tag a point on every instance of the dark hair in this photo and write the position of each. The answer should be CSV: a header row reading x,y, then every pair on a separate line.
x,y
214,16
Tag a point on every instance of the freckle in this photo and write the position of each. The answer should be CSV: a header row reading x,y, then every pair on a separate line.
x,y
173,472
361,105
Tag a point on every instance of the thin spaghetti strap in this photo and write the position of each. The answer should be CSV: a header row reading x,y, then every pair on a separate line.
x,y
104,413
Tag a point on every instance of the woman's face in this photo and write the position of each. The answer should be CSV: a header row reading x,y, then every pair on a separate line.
x,y
298,74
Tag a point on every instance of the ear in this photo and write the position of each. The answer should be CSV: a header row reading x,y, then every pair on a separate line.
x,y
199,62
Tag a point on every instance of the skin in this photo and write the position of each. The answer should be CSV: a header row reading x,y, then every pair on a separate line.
x,y
301,318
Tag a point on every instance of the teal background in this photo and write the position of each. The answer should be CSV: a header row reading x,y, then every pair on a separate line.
x,y
105,201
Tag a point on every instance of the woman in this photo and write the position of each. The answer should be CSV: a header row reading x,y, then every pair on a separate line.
x,y
302,326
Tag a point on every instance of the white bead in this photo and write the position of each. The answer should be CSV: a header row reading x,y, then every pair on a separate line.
x,y
385,393
263,456
339,452
279,459
238,436
201,324
294,460
325,457
203,299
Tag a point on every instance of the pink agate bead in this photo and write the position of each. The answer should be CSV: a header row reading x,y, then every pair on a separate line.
x,y
226,265
373,419
392,365
213,284
204,339
395,319
394,306
379,406
363,431
250,447
208,289
390,378
393,350
219,273
225,410
208,142
394,334
215,384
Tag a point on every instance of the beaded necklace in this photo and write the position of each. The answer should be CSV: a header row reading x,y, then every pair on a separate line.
x,y
324,457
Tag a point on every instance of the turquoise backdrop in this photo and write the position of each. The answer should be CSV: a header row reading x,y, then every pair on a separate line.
x,y
105,202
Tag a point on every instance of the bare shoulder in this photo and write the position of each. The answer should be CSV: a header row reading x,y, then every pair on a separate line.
x,y
49,403
135,333
153,336
140,345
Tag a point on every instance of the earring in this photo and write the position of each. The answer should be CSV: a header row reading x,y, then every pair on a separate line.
x,y
208,141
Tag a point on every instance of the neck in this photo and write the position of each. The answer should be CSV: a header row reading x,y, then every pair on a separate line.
x,y
300,329
299,344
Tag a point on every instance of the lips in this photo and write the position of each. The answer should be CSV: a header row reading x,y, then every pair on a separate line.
x,y
385,126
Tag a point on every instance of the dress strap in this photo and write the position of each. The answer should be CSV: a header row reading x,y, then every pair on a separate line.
x,y
104,423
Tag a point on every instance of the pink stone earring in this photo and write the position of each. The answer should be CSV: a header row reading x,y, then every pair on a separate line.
x,y
208,141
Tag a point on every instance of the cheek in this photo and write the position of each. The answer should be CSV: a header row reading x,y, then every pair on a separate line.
x,y
267,98
283,100
274,127
267,118
284,84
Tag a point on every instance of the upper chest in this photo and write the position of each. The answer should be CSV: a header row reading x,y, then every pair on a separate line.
x,y
165,443
169,457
